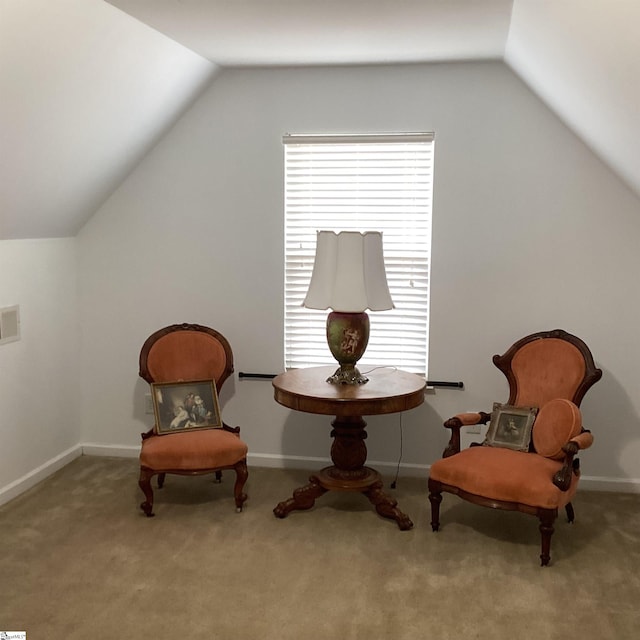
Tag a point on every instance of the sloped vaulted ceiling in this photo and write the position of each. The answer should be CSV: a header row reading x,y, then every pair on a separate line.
x,y
85,90
582,57
87,86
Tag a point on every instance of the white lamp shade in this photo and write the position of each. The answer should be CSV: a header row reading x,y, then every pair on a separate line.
x,y
348,273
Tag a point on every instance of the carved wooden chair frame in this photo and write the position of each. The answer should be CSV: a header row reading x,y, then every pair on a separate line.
x,y
147,473
561,479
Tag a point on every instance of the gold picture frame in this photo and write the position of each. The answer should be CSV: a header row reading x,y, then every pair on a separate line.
x,y
185,406
510,427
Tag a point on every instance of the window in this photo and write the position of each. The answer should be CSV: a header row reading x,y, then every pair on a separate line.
x,y
380,182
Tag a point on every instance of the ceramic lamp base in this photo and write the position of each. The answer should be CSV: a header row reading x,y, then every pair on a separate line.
x,y
347,337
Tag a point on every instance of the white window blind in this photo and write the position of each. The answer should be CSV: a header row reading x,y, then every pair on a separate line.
x,y
361,183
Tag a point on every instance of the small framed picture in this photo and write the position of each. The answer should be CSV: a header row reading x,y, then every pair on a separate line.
x,y
511,427
183,406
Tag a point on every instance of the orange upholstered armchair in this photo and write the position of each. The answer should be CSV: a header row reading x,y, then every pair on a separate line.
x,y
528,463
180,353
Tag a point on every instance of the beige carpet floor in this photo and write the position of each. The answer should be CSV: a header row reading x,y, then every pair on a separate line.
x,y
79,561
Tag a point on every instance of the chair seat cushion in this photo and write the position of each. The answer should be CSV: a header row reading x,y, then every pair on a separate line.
x,y
506,475
193,451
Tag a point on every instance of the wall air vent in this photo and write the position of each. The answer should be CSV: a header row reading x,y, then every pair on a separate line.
x,y
9,324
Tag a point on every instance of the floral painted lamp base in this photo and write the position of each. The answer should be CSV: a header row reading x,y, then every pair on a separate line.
x,y
347,336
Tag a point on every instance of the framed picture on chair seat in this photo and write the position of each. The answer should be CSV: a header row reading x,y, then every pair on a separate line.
x,y
510,427
184,406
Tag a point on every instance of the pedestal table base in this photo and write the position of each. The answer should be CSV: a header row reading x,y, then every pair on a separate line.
x,y
365,480
387,391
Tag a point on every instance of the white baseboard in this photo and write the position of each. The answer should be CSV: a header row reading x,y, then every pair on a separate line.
x,y
267,460
15,488
408,470
110,450
619,485
273,461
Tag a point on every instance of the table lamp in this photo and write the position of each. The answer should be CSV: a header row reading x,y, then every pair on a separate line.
x,y
348,277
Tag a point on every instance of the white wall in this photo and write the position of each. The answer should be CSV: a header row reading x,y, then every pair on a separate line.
x,y
39,427
531,232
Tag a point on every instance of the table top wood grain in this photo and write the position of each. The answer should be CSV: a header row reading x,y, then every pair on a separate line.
x,y
389,390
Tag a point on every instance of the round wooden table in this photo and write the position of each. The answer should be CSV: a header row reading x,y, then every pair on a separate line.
x,y
388,391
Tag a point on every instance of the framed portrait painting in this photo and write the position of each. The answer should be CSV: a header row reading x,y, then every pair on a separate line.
x,y
184,406
510,427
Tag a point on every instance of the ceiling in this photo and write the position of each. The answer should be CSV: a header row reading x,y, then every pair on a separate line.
x,y
89,86
321,32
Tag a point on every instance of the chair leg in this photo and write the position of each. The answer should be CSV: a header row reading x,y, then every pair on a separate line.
x,y
161,477
242,474
547,518
435,498
145,484
218,479
570,513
